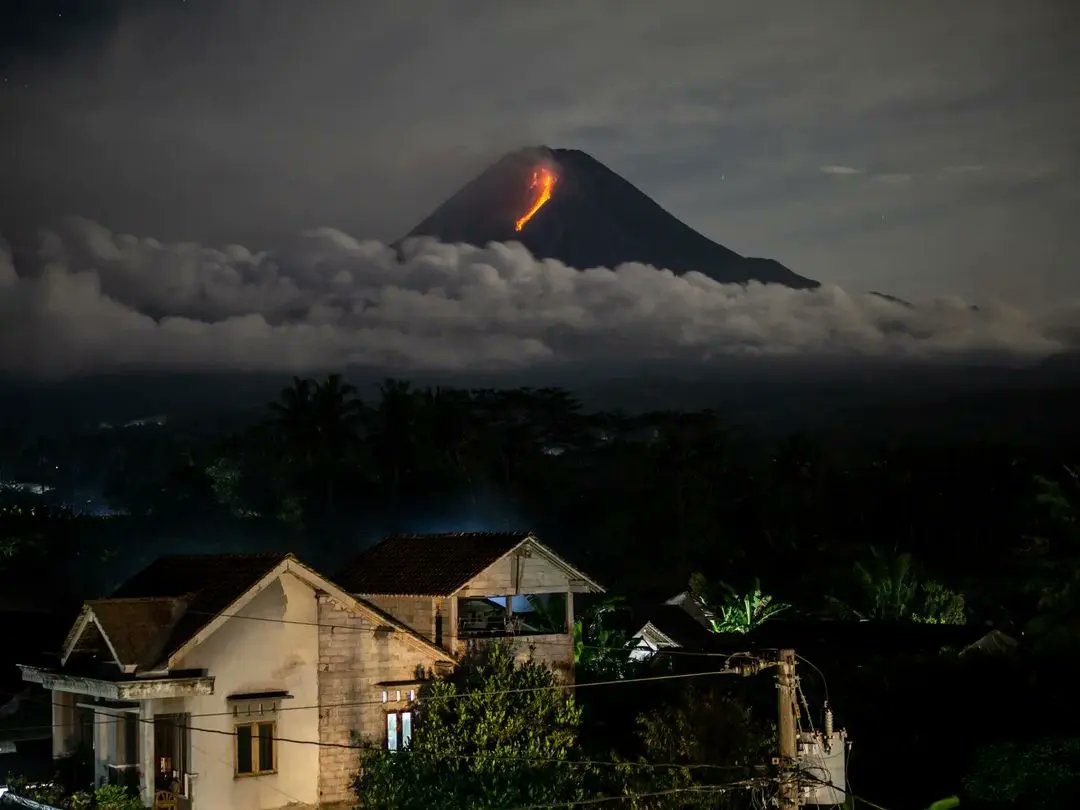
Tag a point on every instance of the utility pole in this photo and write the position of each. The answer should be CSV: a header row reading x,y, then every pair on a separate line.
x,y
788,796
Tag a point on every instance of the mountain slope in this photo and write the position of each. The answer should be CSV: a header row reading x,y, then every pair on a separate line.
x,y
593,218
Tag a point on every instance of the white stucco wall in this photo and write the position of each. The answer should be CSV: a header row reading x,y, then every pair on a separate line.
x,y
246,655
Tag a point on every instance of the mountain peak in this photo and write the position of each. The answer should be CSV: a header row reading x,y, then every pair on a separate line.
x,y
564,204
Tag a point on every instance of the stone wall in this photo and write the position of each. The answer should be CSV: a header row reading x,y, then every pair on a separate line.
x,y
416,612
555,650
352,663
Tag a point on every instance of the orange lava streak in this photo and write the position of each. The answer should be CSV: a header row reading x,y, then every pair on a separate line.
x,y
543,179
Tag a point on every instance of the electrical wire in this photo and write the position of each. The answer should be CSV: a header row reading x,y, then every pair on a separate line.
x,y
813,666
819,757
562,687
632,796
232,773
353,746
845,791
462,695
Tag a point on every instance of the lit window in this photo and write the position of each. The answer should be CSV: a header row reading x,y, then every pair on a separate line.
x,y
391,732
255,749
398,730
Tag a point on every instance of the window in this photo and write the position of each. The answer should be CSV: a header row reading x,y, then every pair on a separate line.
x,y
255,751
398,730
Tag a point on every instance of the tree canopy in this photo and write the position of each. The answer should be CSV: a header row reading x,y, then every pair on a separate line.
x,y
495,734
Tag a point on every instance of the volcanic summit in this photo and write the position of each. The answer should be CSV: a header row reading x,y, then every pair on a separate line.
x,y
564,204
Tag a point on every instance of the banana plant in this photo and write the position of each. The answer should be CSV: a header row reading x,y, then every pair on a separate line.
x,y
741,613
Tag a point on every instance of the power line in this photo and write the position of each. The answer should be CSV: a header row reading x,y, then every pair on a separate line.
x,y
813,666
843,790
399,626
459,695
632,796
473,694
437,755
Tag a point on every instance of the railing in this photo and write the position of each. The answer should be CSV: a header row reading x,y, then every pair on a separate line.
x,y
500,627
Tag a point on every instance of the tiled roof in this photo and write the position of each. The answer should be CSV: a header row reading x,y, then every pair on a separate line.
x,y
138,629
425,564
681,627
198,587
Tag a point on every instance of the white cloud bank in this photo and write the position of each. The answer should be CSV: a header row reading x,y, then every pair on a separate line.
x,y
99,301
840,170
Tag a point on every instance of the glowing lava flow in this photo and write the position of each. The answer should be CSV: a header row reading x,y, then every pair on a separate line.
x,y
544,179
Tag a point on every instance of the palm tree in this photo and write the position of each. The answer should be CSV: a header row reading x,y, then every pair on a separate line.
x,y
292,416
392,426
319,425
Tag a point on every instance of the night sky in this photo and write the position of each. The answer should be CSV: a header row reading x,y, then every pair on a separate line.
x,y
924,149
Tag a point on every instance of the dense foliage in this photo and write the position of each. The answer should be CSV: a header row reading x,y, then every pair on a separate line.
x,y
1040,774
923,532
495,734
106,797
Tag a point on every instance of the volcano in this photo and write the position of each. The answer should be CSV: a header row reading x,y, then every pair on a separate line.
x,y
564,204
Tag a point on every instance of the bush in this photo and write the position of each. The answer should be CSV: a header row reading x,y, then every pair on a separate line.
x,y
1045,773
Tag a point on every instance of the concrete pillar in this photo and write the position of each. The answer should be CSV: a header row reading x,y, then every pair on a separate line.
x,y
147,765
64,729
450,634
104,745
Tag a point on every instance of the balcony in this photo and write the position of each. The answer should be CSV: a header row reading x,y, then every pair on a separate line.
x,y
512,616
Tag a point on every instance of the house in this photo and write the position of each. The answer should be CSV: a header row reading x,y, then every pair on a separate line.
x,y
461,590
670,627
234,681
683,624
245,681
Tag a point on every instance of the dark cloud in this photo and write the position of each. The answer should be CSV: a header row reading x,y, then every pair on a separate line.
x,y
98,301
249,119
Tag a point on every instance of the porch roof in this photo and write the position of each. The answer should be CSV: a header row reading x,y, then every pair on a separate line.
x,y
165,605
121,688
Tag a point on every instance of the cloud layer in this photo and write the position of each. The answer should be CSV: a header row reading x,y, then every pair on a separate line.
x,y
99,301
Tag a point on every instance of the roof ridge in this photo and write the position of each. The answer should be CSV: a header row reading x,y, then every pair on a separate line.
x,y
130,599
250,555
432,535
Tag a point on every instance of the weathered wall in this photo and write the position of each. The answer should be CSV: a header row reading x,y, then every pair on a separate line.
x,y
537,575
251,655
352,662
417,612
555,650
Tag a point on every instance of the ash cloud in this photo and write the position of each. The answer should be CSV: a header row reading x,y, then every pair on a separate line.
x,y
100,301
